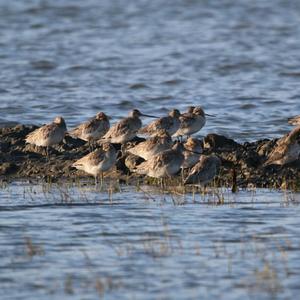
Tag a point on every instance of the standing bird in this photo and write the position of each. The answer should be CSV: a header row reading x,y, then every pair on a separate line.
x,y
204,171
287,149
49,134
147,149
98,161
125,130
192,152
164,164
93,129
191,122
169,123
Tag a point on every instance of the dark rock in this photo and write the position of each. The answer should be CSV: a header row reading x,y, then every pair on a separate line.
x,y
120,165
7,168
4,146
242,165
217,142
71,143
132,161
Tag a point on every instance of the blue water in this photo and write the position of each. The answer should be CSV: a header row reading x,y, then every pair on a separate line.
x,y
239,60
147,245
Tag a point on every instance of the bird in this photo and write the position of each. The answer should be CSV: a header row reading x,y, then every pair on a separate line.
x,y
160,142
48,135
93,129
286,150
170,123
162,165
100,160
126,129
204,171
192,152
191,121
294,120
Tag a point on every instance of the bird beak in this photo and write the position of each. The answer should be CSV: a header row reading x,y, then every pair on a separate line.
x,y
149,116
210,115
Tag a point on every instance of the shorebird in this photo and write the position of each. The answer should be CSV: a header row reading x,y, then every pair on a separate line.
x,y
192,152
164,164
191,122
49,134
125,130
147,149
287,149
294,120
169,123
98,161
93,129
204,171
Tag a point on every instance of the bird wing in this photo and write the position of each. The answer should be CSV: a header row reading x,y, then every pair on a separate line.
x,y
43,132
94,158
186,120
277,153
203,170
161,123
77,131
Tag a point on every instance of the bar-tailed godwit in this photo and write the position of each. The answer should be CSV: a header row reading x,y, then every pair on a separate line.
x,y
191,122
164,164
98,161
147,149
287,149
48,135
204,171
192,152
169,123
93,129
125,130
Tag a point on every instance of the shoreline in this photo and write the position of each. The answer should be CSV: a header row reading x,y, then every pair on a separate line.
x,y
242,163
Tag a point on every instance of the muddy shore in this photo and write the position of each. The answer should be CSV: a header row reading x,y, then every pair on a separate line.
x,y
242,164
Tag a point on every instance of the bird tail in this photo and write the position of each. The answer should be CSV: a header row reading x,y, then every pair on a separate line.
x,y
30,137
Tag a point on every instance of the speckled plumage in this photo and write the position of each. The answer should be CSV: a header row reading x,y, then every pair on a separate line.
x,y
192,152
169,123
191,122
93,129
287,149
147,149
98,161
49,134
125,130
204,171
164,164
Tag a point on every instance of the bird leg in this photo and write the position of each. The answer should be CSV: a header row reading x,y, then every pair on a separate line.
x,y
96,181
47,153
91,146
182,176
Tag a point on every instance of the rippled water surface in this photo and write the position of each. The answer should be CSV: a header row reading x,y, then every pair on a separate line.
x,y
239,59
59,242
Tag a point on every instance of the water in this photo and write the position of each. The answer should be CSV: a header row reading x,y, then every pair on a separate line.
x,y
240,61
69,242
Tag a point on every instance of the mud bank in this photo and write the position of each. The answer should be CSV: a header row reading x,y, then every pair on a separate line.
x,y
242,164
